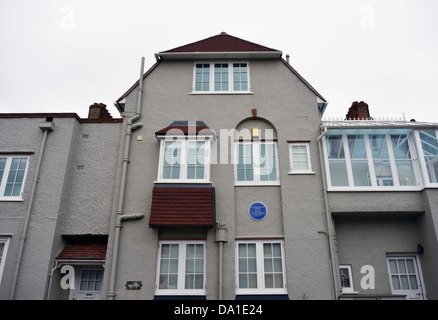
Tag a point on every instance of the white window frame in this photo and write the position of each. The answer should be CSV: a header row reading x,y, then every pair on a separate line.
x,y
230,78
261,289
5,241
349,289
418,273
374,187
309,162
5,178
181,269
422,161
256,163
184,163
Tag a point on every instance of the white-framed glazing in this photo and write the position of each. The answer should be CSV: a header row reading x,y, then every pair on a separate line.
x,y
4,245
13,172
184,159
378,180
299,158
179,270
265,170
206,76
260,270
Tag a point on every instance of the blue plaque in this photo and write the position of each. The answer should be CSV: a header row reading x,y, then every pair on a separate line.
x,y
257,211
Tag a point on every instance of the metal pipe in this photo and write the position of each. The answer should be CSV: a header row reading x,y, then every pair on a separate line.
x,y
49,286
120,217
46,130
328,218
221,246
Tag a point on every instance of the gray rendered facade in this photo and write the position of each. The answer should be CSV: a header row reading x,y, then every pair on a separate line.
x,y
319,227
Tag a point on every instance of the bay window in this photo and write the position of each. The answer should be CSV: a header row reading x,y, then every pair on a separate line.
x,y
184,160
366,161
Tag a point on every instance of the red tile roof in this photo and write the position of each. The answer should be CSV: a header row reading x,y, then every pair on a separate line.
x,y
182,206
84,249
221,43
186,128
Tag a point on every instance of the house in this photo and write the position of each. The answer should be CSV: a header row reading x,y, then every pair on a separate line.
x,y
220,181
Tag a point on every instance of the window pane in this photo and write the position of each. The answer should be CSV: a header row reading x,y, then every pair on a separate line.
x,y
194,266
268,164
338,173
196,160
299,159
404,282
221,77
247,265
15,177
429,144
202,77
410,265
172,160
2,167
405,172
361,173
240,77
356,145
393,266
337,163
401,266
169,266
383,172
395,283
413,282
345,278
403,159
244,162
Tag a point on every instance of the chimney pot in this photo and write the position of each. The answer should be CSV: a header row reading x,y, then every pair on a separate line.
x,y
358,111
98,111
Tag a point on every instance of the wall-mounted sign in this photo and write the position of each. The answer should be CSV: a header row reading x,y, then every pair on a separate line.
x,y
257,211
133,285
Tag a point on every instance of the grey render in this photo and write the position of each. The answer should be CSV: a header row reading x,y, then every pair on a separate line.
x,y
79,184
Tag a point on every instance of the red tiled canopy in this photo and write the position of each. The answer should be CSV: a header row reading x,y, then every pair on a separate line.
x,y
78,248
182,206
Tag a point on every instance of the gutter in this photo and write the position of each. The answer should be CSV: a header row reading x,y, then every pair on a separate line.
x,y
47,127
328,219
130,127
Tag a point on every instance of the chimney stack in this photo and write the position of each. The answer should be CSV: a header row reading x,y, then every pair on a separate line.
x,y
99,111
358,111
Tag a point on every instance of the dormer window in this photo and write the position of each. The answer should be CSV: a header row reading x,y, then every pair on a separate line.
x,y
221,77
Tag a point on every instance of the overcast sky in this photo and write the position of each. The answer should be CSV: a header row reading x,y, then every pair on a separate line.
x,y
62,56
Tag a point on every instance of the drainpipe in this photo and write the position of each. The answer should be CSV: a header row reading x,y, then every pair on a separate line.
x,y
221,237
130,127
328,218
47,127
49,287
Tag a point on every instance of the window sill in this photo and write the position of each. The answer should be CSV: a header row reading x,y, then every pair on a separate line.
x,y
298,173
10,200
180,297
221,92
378,189
257,184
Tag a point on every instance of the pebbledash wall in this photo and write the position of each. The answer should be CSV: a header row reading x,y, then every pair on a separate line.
x,y
102,187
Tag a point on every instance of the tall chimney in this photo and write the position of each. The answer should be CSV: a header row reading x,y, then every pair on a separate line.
x,y
98,111
358,111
